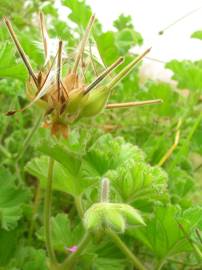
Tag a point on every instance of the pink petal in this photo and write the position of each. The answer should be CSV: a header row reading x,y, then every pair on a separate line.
x,y
72,249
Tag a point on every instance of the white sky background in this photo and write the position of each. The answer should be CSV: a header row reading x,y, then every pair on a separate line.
x,y
151,16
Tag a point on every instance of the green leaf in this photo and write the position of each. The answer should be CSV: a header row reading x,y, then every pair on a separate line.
x,y
163,234
196,139
69,160
29,258
126,39
12,199
8,246
123,22
109,264
106,43
181,183
63,234
62,179
197,34
137,180
73,174
32,50
126,33
108,153
191,219
160,90
9,68
80,11
186,73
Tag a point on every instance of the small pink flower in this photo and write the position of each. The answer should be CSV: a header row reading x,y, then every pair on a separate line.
x,y
72,249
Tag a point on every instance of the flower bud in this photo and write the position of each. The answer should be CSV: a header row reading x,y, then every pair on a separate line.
x,y
131,215
113,216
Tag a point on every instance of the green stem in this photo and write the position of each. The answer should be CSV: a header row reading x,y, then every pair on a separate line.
x,y
29,137
122,246
69,263
79,206
47,213
197,252
34,211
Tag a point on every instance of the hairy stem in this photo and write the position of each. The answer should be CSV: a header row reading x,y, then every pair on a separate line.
x,y
79,206
105,189
47,213
122,246
72,259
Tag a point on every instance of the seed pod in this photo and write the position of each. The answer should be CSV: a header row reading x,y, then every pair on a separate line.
x,y
96,102
98,98
74,102
31,92
71,82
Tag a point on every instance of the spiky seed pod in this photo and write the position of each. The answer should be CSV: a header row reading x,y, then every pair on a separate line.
x,y
76,97
95,104
67,99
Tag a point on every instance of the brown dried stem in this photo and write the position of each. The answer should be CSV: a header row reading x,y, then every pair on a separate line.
x,y
125,71
104,74
44,34
83,43
91,59
21,51
59,65
132,104
172,148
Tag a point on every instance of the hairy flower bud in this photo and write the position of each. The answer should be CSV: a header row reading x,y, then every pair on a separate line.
x,y
115,216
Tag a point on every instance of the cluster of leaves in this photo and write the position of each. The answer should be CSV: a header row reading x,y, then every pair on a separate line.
x,y
166,197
